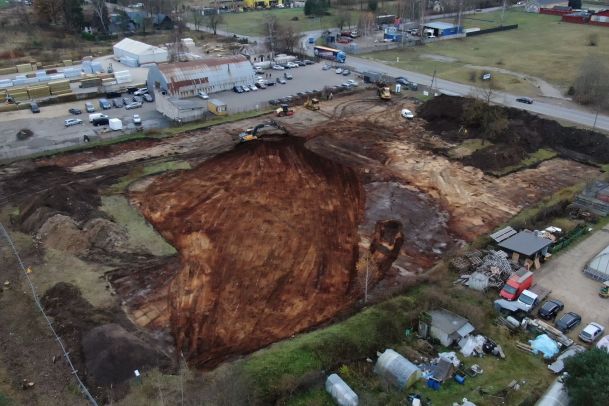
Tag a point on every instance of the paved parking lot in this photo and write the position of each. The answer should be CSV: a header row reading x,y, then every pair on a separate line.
x,y
563,275
50,132
310,77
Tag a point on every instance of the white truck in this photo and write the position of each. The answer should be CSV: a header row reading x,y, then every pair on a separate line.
x,y
529,298
115,124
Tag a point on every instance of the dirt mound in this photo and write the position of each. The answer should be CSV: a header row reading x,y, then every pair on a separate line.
x,y
112,354
105,235
528,132
62,233
386,244
268,240
496,156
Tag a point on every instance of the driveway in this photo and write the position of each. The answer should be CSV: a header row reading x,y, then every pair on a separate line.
x,y
563,275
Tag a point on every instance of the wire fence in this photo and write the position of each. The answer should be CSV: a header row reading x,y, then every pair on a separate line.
x,y
25,271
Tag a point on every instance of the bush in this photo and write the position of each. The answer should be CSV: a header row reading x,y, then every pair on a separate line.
x,y
472,76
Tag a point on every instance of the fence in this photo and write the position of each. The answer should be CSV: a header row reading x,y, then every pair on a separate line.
x,y
4,236
491,30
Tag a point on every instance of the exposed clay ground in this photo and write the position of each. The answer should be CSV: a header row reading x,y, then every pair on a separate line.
x,y
267,234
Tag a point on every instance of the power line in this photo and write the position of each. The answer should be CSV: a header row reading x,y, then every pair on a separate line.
x,y
66,355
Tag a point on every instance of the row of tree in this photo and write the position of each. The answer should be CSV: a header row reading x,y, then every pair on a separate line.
x,y
69,15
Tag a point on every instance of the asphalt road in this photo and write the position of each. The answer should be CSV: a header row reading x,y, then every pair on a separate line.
x,y
51,133
557,109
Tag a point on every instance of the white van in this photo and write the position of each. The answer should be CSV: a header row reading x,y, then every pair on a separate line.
x,y
96,115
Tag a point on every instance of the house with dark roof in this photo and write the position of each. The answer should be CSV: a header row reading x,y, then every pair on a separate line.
x,y
527,245
162,22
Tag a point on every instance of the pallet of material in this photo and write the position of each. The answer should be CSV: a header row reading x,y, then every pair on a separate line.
x,y
61,92
8,71
24,67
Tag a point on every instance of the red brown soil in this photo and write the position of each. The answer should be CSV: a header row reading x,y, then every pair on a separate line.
x,y
268,240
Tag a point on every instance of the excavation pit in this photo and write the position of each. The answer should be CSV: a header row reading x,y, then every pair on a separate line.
x,y
267,236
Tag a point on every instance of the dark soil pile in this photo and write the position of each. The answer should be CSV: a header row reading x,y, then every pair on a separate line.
x,y
525,131
496,156
96,339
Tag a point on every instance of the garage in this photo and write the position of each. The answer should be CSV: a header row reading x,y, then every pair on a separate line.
x,y
136,53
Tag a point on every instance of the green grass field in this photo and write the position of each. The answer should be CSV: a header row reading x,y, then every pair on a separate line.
x,y
252,23
542,46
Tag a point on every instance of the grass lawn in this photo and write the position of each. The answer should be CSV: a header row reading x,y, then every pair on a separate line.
x,y
252,22
542,46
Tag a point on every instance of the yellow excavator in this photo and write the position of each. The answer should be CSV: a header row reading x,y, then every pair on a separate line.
x,y
312,104
384,92
251,134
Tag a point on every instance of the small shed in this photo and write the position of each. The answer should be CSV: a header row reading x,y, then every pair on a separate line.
x,y
396,369
180,110
446,326
529,244
217,107
342,394
442,29
598,268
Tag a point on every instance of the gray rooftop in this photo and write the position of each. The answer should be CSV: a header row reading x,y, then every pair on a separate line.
x,y
439,25
526,243
183,104
447,321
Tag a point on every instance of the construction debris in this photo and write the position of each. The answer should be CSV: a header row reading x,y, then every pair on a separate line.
x,y
545,345
543,327
490,272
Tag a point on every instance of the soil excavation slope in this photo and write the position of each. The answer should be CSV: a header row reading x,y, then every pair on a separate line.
x,y
268,240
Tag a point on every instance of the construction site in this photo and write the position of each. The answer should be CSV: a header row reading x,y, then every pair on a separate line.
x,y
209,245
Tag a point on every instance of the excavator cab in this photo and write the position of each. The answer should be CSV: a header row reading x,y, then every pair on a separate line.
x,y
312,104
384,92
248,135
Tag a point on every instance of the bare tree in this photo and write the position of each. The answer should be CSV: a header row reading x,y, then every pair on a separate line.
x,y
481,113
287,37
101,14
366,268
591,87
196,18
342,18
213,20
271,24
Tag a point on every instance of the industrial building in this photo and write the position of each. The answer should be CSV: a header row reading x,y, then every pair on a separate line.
x,y
441,29
180,110
262,3
186,79
135,53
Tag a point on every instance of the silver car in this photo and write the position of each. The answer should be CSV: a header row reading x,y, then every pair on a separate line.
x,y
72,121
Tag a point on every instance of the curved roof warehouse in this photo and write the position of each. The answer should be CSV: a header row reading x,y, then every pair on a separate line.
x,y
185,79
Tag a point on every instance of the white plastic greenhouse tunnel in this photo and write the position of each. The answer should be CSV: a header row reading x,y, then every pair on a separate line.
x,y
342,394
396,369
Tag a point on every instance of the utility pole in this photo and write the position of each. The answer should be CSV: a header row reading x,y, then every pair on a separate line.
x,y
503,12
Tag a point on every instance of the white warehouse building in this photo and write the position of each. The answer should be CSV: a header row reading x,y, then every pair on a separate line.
x,y
185,79
135,53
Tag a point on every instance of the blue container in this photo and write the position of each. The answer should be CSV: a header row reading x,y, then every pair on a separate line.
x,y
459,379
433,384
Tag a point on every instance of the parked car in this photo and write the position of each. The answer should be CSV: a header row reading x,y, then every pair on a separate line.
x,y
281,80
105,104
72,121
292,65
517,283
269,83
308,62
402,80
288,76
346,72
126,100
591,332
134,105
326,67
278,67
525,100
274,102
261,84
101,121
258,69
118,103
137,120
75,111
407,114
245,88
550,309
253,88
148,98
237,89
339,71
300,63
89,107
141,91
568,321
96,115
138,99
352,82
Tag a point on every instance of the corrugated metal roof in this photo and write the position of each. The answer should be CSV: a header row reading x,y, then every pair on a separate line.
x,y
525,242
503,234
137,47
447,321
598,268
439,25
184,74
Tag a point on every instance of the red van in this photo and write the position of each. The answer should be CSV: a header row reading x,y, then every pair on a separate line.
x,y
519,281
